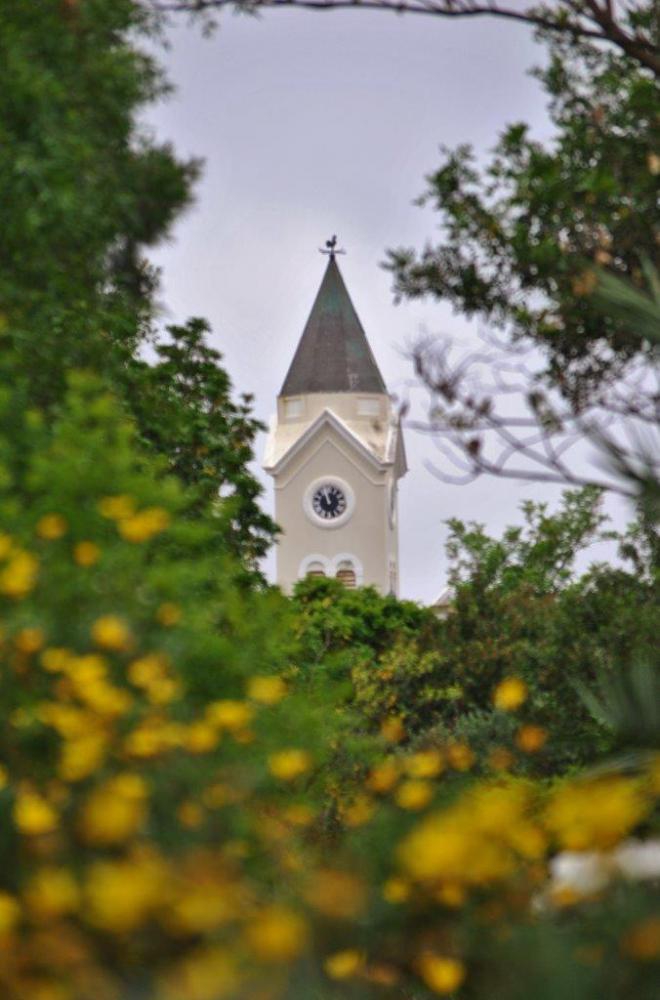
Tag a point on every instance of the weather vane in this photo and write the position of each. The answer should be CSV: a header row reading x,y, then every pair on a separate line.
x,y
331,248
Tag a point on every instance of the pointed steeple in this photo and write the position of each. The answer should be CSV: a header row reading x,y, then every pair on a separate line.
x,y
333,354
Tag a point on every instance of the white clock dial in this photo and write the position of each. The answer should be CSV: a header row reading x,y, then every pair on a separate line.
x,y
329,503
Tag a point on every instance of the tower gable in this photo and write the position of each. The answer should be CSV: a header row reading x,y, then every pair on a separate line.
x,y
275,463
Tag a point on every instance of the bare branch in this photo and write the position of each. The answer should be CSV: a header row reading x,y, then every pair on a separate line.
x,y
485,423
586,19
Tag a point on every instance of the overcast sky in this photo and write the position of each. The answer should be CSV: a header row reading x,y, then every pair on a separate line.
x,y
316,123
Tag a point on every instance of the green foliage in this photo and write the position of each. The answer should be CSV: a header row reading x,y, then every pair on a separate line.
x,y
86,192
522,237
67,468
184,408
640,307
340,627
519,609
188,762
627,702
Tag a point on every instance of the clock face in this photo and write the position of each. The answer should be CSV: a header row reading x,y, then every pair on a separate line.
x,y
329,501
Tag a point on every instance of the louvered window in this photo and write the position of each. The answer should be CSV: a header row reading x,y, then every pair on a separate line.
x,y
346,574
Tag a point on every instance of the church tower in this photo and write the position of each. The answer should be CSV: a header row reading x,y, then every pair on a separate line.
x,y
335,451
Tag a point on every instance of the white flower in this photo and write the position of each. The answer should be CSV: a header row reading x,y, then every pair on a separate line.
x,y
584,872
638,859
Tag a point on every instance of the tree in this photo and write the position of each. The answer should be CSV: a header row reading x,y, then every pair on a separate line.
x,y
86,192
523,236
525,241
184,408
519,609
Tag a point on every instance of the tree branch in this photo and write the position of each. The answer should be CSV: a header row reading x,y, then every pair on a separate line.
x,y
479,435
589,20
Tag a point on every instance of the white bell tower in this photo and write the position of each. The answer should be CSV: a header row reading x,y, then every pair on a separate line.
x,y
335,451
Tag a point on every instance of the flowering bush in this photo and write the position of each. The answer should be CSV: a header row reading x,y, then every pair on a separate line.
x,y
169,771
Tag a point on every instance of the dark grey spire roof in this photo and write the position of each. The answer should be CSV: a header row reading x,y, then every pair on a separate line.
x,y
333,354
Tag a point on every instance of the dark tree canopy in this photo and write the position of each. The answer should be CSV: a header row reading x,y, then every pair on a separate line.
x,y
87,191
522,237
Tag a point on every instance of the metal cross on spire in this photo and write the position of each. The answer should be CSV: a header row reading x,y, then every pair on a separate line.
x,y
331,248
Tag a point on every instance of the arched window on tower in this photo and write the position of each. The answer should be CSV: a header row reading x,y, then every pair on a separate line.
x,y
346,573
315,569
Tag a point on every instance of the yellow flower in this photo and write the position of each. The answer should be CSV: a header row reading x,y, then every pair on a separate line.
x,y
460,756
266,690
206,974
10,913
413,794
358,812
148,669
19,576
289,764
451,894
4,777
82,755
154,737
86,553
510,694
121,895
29,640
586,815
475,841
424,764
164,691
118,507
112,632
392,729
52,892
299,814
383,777
229,714
33,815
115,811
336,894
200,737
51,526
55,660
168,614
144,525
343,964
441,973
69,722
150,672
396,890
531,739
276,934
88,680
205,897
6,545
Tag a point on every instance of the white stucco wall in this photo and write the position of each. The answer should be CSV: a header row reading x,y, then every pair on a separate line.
x,y
351,438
